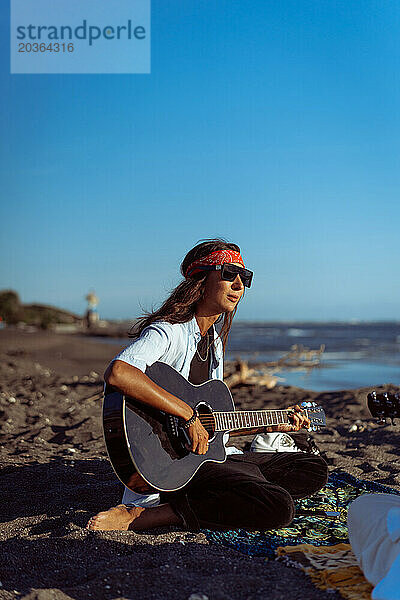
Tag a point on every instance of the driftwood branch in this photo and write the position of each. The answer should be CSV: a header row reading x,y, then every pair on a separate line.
x,y
245,375
298,358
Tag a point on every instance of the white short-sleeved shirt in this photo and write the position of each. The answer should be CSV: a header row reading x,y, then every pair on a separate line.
x,y
174,344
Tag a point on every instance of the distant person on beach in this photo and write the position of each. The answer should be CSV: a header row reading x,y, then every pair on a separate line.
x,y
250,490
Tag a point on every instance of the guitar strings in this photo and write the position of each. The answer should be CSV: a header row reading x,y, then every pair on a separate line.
x,y
205,418
234,414
210,419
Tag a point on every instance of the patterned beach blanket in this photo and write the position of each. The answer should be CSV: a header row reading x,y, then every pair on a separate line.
x,y
330,568
337,495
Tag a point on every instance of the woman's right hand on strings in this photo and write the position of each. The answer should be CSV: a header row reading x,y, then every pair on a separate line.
x,y
198,437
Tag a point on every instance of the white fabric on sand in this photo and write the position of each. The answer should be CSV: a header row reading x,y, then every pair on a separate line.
x,y
374,532
273,442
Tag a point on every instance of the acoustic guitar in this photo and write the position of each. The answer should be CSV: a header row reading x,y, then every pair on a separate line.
x,y
148,448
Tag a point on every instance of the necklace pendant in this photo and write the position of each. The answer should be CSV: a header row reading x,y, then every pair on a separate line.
x,y
207,351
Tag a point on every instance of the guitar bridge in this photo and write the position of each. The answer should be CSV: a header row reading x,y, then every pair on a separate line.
x,y
172,426
177,436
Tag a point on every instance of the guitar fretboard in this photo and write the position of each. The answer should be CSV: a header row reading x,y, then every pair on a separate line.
x,y
227,421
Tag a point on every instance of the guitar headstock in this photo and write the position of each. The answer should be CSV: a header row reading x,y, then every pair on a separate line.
x,y
316,415
384,404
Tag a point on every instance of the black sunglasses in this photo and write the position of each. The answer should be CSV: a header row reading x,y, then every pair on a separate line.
x,y
229,272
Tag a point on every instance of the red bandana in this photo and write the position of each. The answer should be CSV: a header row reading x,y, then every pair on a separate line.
x,y
215,258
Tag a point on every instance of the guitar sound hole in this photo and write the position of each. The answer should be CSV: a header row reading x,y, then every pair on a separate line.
x,y
206,418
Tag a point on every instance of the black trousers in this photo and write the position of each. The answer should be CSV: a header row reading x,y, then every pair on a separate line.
x,y
252,491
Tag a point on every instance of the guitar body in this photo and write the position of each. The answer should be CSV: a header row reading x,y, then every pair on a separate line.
x,y
146,447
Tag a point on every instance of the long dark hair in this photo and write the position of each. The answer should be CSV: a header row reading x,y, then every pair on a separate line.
x,y
180,305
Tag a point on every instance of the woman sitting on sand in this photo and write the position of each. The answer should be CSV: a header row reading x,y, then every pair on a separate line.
x,y
249,490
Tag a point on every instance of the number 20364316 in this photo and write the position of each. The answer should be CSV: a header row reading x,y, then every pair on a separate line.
x,y
52,47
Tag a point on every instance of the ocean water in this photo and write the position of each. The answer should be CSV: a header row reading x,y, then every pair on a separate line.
x,y
356,354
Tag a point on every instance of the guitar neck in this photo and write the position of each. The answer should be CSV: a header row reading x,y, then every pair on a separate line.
x,y
231,421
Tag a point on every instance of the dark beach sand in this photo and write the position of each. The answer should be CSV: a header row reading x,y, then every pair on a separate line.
x,y
55,475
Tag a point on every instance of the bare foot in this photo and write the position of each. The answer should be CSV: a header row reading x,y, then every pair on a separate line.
x,y
116,518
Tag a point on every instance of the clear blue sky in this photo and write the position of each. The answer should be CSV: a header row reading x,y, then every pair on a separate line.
x,y
274,124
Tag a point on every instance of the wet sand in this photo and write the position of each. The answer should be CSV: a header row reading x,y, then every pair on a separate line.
x,y
55,474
